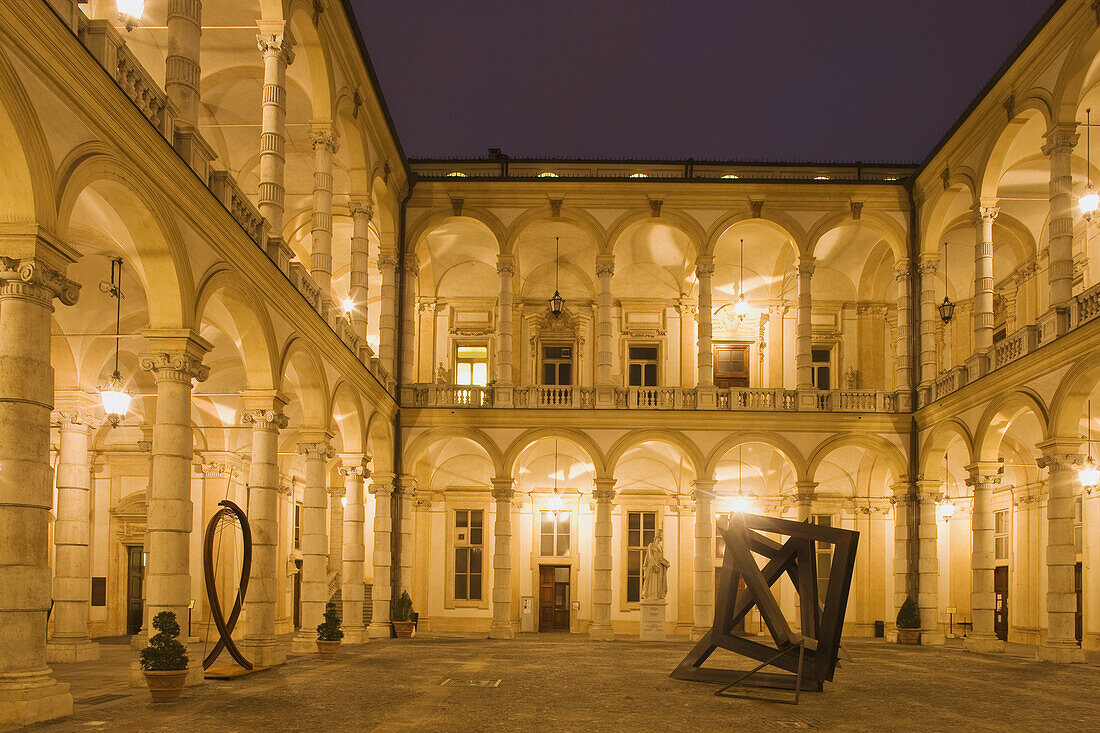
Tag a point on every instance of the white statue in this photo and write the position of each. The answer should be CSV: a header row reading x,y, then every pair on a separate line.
x,y
442,375
655,571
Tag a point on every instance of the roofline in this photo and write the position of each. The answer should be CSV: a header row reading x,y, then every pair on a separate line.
x,y
681,162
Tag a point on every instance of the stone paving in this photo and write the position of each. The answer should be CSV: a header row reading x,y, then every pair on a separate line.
x,y
567,683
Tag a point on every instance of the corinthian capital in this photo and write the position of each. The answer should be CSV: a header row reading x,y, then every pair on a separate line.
x,y
704,267
364,209
983,214
605,266
276,45
324,138
806,266
1061,138
181,367
75,419
903,269
356,465
264,419
319,449
31,278
506,265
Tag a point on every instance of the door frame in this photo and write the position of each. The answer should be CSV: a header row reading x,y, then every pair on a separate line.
x,y
568,604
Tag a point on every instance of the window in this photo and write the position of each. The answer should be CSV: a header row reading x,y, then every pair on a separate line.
x,y
1078,525
469,532
548,174
456,174
824,552
639,175
642,366
821,361
1000,534
641,528
297,526
557,365
555,534
731,366
472,365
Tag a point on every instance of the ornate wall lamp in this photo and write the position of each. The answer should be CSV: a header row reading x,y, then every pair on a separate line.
x,y
129,12
113,394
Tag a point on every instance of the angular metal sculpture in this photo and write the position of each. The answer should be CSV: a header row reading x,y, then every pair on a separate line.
x,y
809,655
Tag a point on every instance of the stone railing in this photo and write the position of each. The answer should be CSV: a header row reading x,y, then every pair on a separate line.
x,y
109,48
1020,343
299,275
242,209
1087,305
648,398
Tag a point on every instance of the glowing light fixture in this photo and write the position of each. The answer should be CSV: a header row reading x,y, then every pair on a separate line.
x,y
548,174
741,503
344,501
1089,474
349,305
1090,201
555,498
639,175
557,303
946,510
129,12
946,308
731,176
741,307
456,174
113,394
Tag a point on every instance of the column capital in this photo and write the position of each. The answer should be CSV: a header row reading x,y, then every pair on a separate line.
x,y
605,265
316,446
983,473
502,488
355,464
276,45
604,489
364,209
323,136
387,259
1061,138
929,264
903,269
75,420
702,489
805,488
30,277
901,491
382,483
506,265
337,492
928,489
406,485
704,266
983,213
806,266
176,355
262,419
1059,454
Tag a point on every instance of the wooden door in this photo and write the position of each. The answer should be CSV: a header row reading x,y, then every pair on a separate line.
x,y
731,366
1077,617
296,601
135,577
553,598
1000,602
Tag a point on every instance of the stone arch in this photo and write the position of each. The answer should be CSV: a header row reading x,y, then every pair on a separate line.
x,y
1074,74
1072,395
570,215
892,232
677,219
253,324
348,421
870,441
995,158
309,44
670,437
580,439
380,442
780,221
778,442
935,222
999,416
26,188
936,443
434,218
422,442
312,386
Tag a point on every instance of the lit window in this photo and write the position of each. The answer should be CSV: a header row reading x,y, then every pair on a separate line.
x,y
890,178
548,174
456,174
641,528
731,176
821,178
555,534
639,175
1000,534
472,365
642,366
469,532
824,556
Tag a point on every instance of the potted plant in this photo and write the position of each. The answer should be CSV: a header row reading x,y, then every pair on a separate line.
x,y
329,633
164,660
403,617
909,622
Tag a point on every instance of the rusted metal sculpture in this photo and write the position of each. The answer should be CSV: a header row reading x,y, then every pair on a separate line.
x,y
809,655
225,627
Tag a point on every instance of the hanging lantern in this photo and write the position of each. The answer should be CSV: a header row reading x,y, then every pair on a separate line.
x,y
946,308
946,510
741,504
741,307
557,303
1090,201
129,12
1089,474
555,503
114,395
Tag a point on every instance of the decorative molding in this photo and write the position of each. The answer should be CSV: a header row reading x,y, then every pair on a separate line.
x,y
757,207
361,209
324,137
175,367
456,206
265,419
555,207
32,278
857,209
1061,139
278,45
655,208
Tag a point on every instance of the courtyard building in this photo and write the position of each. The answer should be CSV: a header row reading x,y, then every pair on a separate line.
x,y
491,382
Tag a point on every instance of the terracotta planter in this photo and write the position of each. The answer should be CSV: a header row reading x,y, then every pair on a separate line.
x,y
327,649
166,686
910,637
403,629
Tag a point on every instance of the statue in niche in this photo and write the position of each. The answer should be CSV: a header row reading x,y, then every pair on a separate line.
x,y
655,571
851,378
442,376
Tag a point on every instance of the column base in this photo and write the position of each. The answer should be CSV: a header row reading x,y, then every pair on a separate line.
x,y
33,697
196,675
502,631
932,637
380,630
1060,653
983,644
305,642
263,651
601,632
139,640
76,650
355,635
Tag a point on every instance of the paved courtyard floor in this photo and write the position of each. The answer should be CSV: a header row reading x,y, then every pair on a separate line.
x,y
568,684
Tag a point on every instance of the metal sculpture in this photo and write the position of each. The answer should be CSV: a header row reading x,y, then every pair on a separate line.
x,y
810,655
225,627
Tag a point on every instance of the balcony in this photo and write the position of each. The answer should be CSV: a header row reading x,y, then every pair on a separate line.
x,y
648,398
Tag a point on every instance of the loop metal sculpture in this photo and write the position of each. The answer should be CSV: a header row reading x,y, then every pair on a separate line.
x,y
811,653
225,626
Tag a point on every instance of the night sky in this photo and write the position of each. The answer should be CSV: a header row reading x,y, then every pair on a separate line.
x,y
832,80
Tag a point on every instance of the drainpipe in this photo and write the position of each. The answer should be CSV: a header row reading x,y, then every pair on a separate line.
x,y
400,377
912,588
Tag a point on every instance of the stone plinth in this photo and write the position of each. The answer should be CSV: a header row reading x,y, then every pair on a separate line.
x,y
653,620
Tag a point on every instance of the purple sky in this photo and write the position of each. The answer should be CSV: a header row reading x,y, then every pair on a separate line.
x,y
819,80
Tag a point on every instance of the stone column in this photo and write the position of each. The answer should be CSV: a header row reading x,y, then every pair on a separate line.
x,y
382,590
174,361
983,477
354,471
359,277
408,318
929,316
277,56
502,628
605,271
387,316
602,562
903,522
181,75
703,590
1061,139
323,139
1060,458
704,271
506,268
804,500
982,218
28,692
406,495
903,277
71,641
928,564
803,343
777,315
317,450
336,497
264,412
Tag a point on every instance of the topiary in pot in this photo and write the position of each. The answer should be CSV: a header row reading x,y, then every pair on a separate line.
x,y
329,633
909,622
164,660
403,616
